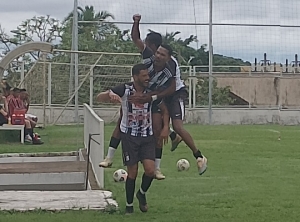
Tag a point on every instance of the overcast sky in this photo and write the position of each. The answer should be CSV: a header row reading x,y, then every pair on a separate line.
x,y
243,42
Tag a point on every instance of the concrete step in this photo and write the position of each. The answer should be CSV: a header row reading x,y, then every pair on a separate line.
x,y
43,176
43,167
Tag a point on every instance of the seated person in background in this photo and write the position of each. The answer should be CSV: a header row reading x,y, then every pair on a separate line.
x,y
14,101
4,120
25,102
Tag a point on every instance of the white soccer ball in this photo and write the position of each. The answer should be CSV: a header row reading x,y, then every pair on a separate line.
x,y
120,175
183,164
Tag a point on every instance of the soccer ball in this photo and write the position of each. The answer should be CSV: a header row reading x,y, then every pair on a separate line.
x,y
120,175
183,164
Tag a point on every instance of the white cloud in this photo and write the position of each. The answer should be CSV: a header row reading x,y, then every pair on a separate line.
x,y
246,42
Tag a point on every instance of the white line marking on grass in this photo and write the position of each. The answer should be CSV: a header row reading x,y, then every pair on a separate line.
x,y
274,131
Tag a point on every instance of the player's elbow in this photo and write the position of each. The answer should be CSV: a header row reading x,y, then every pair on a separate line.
x,y
101,97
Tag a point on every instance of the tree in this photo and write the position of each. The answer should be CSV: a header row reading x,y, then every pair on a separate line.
x,y
220,95
43,28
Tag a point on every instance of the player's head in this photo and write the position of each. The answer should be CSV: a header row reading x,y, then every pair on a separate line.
x,y
23,94
140,75
16,92
153,40
163,55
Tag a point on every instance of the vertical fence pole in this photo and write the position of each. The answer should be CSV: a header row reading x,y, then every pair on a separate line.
x,y
92,88
210,64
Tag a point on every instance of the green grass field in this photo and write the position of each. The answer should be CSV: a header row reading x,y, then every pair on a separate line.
x,y
251,177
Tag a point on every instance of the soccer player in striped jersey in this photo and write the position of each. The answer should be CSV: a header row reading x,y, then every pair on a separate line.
x,y
167,87
138,142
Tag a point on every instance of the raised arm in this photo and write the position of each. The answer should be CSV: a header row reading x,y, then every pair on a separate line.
x,y
135,33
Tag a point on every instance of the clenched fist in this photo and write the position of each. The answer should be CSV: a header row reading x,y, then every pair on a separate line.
x,y
137,17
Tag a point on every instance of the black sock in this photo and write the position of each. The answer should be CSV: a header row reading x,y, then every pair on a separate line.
x,y
173,135
158,153
114,142
30,132
198,154
146,183
129,187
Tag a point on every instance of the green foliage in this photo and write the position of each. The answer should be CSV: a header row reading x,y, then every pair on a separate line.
x,y
220,95
105,37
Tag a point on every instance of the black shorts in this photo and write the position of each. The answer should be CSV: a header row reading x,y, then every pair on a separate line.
x,y
3,121
176,104
137,149
155,108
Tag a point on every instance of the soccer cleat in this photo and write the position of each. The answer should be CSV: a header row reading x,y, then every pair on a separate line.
x,y
107,162
128,210
202,165
142,201
159,175
175,142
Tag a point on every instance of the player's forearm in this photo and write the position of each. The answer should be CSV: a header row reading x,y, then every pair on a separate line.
x,y
166,116
160,94
103,97
135,32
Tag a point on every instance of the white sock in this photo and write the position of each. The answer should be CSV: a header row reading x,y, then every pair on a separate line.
x,y
111,152
157,163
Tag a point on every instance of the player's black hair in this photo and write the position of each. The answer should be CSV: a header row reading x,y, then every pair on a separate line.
x,y
16,90
23,90
154,38
137,68
167,47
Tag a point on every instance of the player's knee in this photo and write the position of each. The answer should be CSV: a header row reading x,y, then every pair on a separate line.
x,y
149,172
132,172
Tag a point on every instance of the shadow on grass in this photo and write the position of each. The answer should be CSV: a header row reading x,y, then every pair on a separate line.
x,y
7,136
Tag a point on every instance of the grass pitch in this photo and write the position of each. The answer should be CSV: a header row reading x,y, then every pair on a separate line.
x,y
251,176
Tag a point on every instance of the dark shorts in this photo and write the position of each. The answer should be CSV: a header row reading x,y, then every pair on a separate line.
x,y
155,108
3,121
137,149
176,104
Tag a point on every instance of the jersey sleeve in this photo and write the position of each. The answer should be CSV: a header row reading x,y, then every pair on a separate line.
x,y
172,68
148,56
119,90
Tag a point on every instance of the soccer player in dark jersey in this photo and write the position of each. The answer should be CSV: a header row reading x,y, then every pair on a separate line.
x,y
172,90
138,142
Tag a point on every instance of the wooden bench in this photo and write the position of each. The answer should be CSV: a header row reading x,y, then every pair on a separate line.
x,y
14,127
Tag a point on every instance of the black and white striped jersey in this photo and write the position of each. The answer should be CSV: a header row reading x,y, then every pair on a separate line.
x,y
161,78
136,118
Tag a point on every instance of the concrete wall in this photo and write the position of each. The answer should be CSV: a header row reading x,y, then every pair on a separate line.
x,y
264,89
200,116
